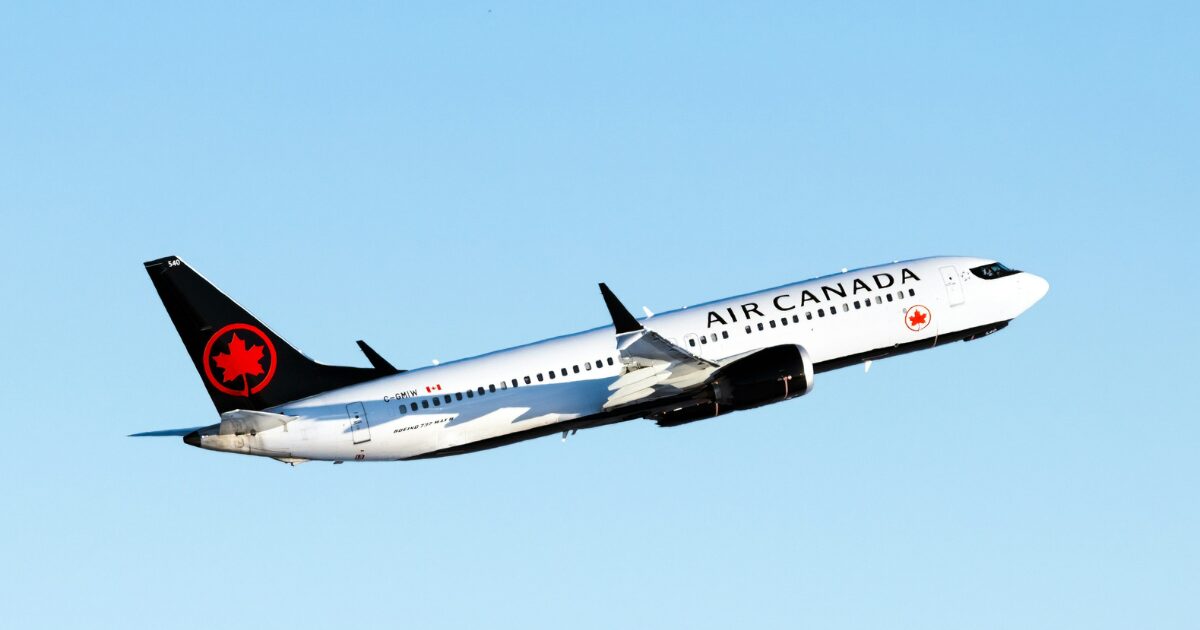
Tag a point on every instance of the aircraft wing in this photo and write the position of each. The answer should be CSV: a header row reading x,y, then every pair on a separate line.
x,y
653,366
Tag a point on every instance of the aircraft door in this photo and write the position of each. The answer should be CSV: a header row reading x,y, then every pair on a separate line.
x,y
360,429
954,288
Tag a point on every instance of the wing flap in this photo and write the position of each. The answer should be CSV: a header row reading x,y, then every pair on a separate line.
x,y
626,396
645,377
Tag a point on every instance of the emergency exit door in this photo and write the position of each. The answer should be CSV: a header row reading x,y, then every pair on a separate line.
x,y
954,288
360,429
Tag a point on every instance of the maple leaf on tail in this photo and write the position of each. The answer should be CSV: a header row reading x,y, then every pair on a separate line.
x,y
240,360
917,318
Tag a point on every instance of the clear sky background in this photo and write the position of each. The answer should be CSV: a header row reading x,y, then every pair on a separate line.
x,y
447,180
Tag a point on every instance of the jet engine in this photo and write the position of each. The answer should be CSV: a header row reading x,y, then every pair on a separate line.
x,y
761,378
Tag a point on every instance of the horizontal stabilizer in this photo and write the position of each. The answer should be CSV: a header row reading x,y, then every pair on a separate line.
x,y
167,432
243,421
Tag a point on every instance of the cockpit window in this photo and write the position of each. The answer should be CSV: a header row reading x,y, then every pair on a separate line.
x,y
993,271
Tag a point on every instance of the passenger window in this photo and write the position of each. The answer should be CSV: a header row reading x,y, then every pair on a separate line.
x,y
724,334
796,319
588,365
760,325
403,410
480,392
899,295
714,338
458,395
447,399
704,340
820,312
437,403
564,371
539,377
575,368
833,310
514,382
470,393
492,388
748,329
527,380
425,404
808,315
878,300
599,363
550,374
889,297
414,406
772,323
692,342
845,308
867,302
911,293
856,305
503,384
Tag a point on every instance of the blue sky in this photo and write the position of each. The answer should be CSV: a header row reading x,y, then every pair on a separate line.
x,y
447,180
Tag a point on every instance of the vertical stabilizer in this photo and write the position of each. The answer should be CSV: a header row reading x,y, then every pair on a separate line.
x,y
243,364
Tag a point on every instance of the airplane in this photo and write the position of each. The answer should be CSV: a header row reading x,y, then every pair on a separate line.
x,y
673,368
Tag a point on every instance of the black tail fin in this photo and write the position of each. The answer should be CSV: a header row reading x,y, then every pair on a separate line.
x,y
243,363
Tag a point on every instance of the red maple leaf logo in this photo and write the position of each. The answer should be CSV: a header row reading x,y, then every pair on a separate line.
x,y
241,360
916,319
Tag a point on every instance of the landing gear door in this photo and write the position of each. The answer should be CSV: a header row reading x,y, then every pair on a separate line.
x,y
954,288
360,429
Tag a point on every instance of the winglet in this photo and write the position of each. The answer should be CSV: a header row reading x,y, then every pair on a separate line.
x,y
623,321
378,362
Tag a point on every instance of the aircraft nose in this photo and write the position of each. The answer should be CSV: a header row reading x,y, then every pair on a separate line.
x,y
1036,286
192,439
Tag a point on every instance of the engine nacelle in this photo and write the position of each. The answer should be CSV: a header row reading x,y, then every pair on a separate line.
x,y
769,375
764,377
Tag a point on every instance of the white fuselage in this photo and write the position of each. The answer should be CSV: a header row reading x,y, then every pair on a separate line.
x,y
555,381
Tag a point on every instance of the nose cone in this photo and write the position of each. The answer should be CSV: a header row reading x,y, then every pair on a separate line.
x,y
1038,287
192,439
1032,288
